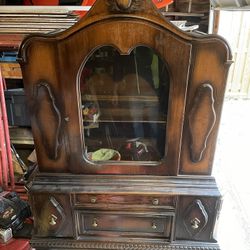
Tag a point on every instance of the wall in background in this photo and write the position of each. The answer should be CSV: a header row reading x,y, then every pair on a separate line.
x,y
235,27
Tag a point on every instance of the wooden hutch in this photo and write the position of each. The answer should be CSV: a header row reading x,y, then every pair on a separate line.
x,y
125,110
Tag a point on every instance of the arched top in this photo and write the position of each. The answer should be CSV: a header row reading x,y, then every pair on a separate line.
x,y
143,10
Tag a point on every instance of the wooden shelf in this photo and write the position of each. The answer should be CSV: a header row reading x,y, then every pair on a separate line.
x,y
125,121
11,70
121,98
21,136
25,20
117,115
53,10
143,109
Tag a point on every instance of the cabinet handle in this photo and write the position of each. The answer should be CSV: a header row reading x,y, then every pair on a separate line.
x,y
95,224
154,226
93,200
155,202
195,223
52,220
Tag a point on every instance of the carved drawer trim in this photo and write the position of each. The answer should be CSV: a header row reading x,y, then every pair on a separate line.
x,y
202,119
69,244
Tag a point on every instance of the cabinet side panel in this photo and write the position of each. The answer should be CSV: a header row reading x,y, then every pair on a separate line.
x,y
204,104
42,89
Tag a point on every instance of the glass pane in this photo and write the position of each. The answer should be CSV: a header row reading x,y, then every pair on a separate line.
x,y
124,105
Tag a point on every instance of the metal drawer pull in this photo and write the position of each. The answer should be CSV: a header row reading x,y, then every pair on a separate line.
x,y
93,200
154,226
195,223
52,220
155,202
95,224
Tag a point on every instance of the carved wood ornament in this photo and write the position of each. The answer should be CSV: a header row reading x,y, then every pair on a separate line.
x,y
126,6
59,219
53,244
201,120
196,218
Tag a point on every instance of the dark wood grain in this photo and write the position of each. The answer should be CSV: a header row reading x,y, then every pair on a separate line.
x,y
202,119
50,122
215,73
52,214
192,208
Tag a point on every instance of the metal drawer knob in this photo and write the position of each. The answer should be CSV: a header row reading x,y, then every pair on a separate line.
x,y
195,223
154,226
93,200
95,224
155,202
52,220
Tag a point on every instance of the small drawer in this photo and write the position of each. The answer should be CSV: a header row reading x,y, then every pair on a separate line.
x,y
129,224
91,200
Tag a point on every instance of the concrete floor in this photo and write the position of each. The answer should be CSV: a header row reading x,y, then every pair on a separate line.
x,y
232,171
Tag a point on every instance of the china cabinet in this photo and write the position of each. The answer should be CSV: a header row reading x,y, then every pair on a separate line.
x,y
125,110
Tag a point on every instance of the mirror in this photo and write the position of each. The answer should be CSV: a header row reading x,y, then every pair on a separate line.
x,y
124,101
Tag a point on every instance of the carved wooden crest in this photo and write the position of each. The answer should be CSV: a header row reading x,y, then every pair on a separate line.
x,y
125,6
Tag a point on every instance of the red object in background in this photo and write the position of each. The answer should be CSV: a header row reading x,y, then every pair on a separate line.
x,y
13,244
159,3
88,2
6,165
162,3
41,2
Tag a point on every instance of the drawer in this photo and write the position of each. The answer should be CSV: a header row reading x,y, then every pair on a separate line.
x,y
104,201
129,224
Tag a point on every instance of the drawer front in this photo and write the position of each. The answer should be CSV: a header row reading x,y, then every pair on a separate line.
x,y
114,224
90,200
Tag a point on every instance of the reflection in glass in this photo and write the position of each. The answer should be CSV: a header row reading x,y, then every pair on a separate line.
x,y
124,105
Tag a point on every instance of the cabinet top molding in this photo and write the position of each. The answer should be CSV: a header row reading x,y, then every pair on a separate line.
x,y
132,10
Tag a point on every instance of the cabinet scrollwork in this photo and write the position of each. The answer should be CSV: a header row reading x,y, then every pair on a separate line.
x,y
201,120
196,218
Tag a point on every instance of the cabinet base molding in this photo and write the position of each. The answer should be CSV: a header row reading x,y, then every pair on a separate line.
x,y
42,244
